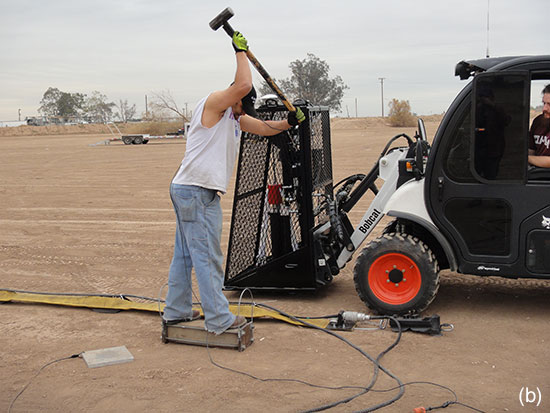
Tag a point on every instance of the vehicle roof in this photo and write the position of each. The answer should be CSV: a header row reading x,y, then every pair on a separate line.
x,y
467,68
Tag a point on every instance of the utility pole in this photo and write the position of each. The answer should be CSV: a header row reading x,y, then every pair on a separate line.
x,y
19,114
146,111
355,107
381,79
487,54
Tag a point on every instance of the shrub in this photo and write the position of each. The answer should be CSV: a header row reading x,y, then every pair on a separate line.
x,y
400,113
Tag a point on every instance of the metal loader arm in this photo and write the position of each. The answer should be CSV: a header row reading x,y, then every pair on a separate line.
x,y
389,172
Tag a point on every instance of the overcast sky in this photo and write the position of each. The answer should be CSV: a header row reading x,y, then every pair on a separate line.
x,y
127,49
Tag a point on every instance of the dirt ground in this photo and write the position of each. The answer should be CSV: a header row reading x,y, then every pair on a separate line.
x,y
82,219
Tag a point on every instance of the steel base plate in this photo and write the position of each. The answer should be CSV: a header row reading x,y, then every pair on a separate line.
x,y
194,333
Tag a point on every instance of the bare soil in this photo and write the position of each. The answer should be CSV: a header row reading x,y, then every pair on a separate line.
x,y
76,218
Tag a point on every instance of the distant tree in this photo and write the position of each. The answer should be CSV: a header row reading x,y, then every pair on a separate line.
x,y
156,114
56,103
125,111
48,104
97,109
163,102
400,113
310,81
265,89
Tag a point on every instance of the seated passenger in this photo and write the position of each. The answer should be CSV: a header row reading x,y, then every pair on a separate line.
x,y
539,134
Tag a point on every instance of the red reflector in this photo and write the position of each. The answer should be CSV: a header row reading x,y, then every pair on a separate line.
x,y
274,194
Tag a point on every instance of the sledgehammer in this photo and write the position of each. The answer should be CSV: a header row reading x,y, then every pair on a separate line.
x,y
221,21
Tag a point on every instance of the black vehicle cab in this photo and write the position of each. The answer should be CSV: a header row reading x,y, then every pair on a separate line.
x,y
480,191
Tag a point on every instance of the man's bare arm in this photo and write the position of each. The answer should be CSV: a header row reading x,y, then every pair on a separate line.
x,y
218,102
540,161
263,128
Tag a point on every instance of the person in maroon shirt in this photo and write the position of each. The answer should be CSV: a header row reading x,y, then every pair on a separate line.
x,y
539,134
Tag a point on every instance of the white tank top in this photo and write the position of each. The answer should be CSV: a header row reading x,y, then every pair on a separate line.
x,y
210,153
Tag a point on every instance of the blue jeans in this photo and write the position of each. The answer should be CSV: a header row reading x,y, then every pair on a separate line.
x,y
198,233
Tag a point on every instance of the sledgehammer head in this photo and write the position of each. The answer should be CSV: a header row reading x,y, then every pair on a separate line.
x,y
221,19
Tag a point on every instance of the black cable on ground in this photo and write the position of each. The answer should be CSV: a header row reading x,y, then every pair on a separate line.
x,y
299,318
377,367
302,321
318,386
268,379
444,405
296,319
364,390
37,373
376,361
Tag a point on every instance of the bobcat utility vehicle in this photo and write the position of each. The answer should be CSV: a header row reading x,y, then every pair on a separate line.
x,y
469,202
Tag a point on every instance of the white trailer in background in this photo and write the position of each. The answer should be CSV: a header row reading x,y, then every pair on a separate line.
x,y
138,138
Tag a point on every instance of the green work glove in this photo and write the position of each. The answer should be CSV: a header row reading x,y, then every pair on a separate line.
x,y
240,44
295,118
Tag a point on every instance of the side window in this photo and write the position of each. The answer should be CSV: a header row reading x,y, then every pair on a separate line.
x,y
538,82
457,151
539,129
500,112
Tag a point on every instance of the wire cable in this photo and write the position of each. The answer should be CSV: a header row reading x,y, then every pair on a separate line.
x,y
302,321
364,390
319,386
240,300
377,367
446,404
37,373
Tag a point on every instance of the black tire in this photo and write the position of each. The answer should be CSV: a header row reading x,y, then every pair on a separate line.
x,y
390,227
128,140
138,140
381,271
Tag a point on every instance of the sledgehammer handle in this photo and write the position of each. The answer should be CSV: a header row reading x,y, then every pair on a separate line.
x,y
229,30
269,80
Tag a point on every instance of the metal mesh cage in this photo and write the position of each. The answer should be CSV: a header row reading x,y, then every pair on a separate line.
x,y
280,184
321,164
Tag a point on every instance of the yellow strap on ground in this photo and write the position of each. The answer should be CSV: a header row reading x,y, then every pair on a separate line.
x,y
89,301
119,303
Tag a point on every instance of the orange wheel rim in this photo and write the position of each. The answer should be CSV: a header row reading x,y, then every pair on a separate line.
x,y
394,279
